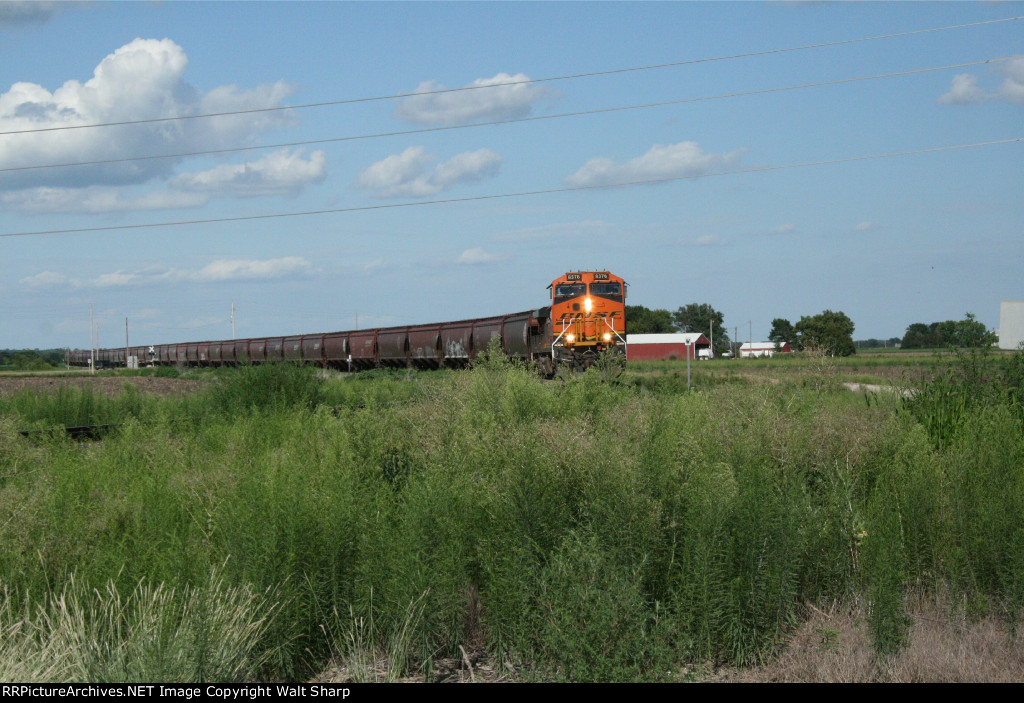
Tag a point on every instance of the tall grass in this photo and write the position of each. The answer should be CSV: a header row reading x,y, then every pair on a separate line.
x,y
587,530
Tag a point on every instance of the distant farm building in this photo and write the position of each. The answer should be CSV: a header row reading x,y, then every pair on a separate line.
x,y
1011,324
751,350
652,347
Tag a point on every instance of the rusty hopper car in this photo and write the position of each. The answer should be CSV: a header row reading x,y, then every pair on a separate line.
x,y
586,317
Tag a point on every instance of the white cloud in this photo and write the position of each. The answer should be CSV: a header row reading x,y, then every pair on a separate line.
x,y
864,226
587,228
214,272
280,173
45,279
251,270
477,103
787,228
409,174
95,200
477,255
661,161
964,89
709,240
141,80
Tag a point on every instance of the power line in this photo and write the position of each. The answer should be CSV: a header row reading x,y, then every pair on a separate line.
x,y
581,113
591,74
567,189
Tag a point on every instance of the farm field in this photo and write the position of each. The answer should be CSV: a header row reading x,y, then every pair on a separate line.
x,y
268,523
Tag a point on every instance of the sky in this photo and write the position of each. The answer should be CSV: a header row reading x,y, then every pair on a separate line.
x,y
720,196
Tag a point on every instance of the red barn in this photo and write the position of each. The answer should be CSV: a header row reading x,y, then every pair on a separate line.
x,y
648,347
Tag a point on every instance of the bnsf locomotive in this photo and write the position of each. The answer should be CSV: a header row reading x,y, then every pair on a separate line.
x,y
586,318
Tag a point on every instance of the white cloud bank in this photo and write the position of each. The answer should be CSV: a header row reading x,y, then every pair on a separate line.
x,y
661,161
964,88
214,272
476,256
409,174
142,80
477,101
280,173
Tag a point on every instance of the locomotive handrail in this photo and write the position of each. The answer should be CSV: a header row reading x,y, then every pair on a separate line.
x,y
566,326
615,333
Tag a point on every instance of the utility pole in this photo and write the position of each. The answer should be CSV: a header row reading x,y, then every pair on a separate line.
x,y
92,344
357,319
126,341
232,319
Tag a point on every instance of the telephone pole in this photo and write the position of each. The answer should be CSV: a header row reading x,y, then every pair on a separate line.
x,y
232,319
92,344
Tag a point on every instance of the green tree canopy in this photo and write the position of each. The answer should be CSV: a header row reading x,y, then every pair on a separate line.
x,y
641,320
701,317
831,331
783,332
967,332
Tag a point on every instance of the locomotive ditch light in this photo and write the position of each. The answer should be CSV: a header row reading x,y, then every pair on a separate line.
x,y
607,337
570,337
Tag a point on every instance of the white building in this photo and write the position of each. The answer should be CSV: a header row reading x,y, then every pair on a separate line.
x,y
755,349
1011,324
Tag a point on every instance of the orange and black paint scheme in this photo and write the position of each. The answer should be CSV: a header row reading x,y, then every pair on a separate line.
x,y
588,314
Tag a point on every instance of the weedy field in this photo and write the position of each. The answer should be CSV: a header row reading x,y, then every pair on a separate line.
x,y
273,524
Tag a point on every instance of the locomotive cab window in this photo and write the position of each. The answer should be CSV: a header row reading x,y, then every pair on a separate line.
x,y
611,291
568,291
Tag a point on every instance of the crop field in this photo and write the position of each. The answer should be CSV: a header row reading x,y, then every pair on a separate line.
x,y
269,523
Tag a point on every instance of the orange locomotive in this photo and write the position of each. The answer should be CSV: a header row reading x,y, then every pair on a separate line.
x,y
588,316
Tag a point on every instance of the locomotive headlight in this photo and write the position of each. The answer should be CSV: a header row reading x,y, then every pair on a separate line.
x,y
570,338
607,337
587,305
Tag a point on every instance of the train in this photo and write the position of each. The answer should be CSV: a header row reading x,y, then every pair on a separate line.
x,y
586,318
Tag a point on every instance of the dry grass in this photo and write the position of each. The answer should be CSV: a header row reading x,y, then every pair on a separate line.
x,y
835,647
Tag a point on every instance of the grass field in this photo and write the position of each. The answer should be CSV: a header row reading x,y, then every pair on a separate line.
x,y
272,523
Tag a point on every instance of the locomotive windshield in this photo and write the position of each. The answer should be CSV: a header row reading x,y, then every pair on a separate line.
x,y
567,291
612,291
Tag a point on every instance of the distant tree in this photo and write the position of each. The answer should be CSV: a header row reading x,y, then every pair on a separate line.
x,y
958,333
831,331
971,333
701,317
641,320
918,336
783,333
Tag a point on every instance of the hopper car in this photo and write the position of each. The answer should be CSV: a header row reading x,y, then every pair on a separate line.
x,y
585,318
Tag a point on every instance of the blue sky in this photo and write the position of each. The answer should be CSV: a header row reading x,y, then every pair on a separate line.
x,y
889,241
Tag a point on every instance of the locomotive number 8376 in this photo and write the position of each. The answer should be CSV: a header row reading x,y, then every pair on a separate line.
x,y
588,315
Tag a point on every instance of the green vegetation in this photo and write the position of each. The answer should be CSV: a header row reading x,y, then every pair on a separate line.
x,y
968,333
30,359
584,530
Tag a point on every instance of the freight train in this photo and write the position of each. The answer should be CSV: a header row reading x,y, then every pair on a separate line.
x,y
586,318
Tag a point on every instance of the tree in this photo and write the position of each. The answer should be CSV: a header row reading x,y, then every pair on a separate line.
x,y
831,331
641,320
701,317
968,332
782,333
958,333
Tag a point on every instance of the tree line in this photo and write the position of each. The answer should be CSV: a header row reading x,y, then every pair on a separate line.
x,y
31,359
967,332
829,331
